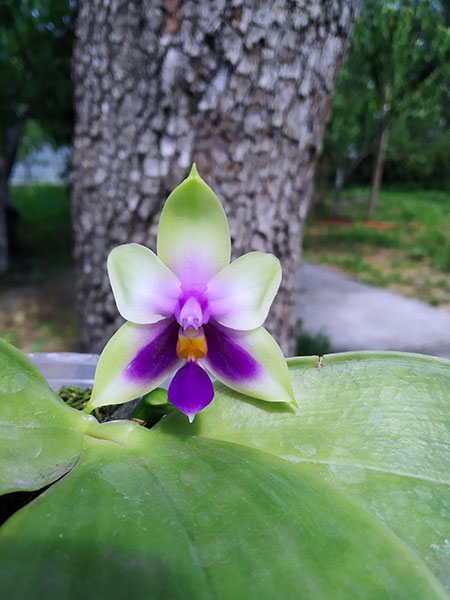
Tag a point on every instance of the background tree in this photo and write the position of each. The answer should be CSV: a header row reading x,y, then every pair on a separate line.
x,y
352,129
243,88
35,61
391,91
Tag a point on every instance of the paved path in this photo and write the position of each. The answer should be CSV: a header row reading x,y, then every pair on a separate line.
x,y
356,316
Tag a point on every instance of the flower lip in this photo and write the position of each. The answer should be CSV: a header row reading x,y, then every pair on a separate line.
x,y
191,389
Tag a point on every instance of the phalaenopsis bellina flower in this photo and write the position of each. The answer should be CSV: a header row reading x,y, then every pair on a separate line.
x,y
189,310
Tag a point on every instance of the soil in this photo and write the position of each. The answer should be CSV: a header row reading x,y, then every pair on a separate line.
x,y
40,316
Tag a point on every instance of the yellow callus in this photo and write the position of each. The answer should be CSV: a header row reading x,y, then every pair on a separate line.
x,y
191,344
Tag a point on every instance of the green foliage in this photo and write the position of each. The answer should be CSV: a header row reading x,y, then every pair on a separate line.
x,y
44,229
33,138
345,496
36,40
310,345
398,64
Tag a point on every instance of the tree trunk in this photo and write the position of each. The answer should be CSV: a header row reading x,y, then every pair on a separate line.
x,y
378,164
4,199
242,88
320,192
8,156
338,186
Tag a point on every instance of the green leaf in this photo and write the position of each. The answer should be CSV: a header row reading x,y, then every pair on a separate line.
x,y
146,515
40,436
150,515
375,426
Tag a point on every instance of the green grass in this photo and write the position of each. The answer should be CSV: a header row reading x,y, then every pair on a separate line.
x,y
420,224
44,228
356,233
356,265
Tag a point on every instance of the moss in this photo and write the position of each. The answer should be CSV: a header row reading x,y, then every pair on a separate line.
x,y
78,398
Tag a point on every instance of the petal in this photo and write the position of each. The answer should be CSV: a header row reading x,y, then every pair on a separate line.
x,y
250,362
191,389
145,290
241,294
193,236
135,361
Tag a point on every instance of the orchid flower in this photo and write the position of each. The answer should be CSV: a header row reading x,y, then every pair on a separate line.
x,y
189,310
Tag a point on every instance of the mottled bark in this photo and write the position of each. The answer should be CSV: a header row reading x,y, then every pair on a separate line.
x,y
243,88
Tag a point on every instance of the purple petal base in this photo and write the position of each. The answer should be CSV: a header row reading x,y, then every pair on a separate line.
x,y
191,389
159,355
226,356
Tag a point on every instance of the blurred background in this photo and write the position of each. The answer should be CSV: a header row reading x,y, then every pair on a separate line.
x,y
376,246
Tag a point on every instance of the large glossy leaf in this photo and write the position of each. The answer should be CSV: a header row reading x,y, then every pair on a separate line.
x,y
375,426
146,515
149,515
40,436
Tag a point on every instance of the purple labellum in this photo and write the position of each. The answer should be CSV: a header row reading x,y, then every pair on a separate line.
x,y
191,389
226,357
158,356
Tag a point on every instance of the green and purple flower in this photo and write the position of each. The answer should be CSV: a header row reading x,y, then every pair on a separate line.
x,y
189,310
